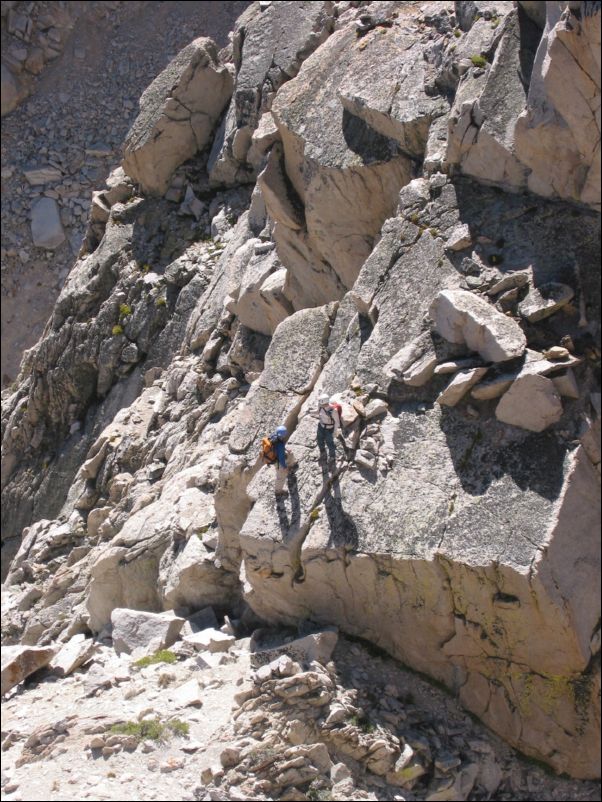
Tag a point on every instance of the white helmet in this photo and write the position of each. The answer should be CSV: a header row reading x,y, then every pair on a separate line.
x,y
323,400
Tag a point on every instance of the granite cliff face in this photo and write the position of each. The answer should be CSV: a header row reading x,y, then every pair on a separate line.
x,y
399,206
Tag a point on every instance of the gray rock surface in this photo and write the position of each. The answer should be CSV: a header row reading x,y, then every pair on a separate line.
x,y
268,51
142,632
532,403
461,317
178,112
46,228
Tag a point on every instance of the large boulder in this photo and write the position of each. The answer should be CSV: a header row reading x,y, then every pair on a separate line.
x,y
178,112
532,403
46,228
145,632
18,662
462,317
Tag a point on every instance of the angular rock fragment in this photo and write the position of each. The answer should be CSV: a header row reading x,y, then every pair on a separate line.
x,y
532,403
459,386
148,632
18,662
421,371
73,654
211,640
545,300
459,238
566,384
461,317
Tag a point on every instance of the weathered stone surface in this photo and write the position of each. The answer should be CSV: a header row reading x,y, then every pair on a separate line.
x,y
459,238
147,632
532,402
566,384
460,385
485,109
46,228
261,304
545,300
269,49
335,163
292,365
555,135
42,175
462,317
77,651
18,662
178,112
210,640
10,91
203,619
533,364
318,647
461,545
189,694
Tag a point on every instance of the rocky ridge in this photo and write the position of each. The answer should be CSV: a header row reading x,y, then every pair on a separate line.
x,y
456,321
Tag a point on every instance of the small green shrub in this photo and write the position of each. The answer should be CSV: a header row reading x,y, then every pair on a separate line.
x,y
314,515
150,729
117,330
125,310
203,530
178,727
160,301
162,656
145,268
457,33
364,723
478,61
495,22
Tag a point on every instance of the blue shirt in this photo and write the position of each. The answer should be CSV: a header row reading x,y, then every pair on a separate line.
x,y
280,452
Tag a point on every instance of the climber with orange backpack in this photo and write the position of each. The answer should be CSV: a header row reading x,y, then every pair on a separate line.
x,y
274,452
329,424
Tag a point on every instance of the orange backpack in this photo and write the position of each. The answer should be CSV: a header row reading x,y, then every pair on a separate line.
x,y
268,451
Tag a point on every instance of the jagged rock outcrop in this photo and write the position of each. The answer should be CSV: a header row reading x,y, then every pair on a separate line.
x,y
178,112
538,95
269,46
454,525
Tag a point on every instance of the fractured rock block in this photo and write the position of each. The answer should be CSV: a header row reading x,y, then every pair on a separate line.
x,y
531,403
18,662
462,317
178,112
136,629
